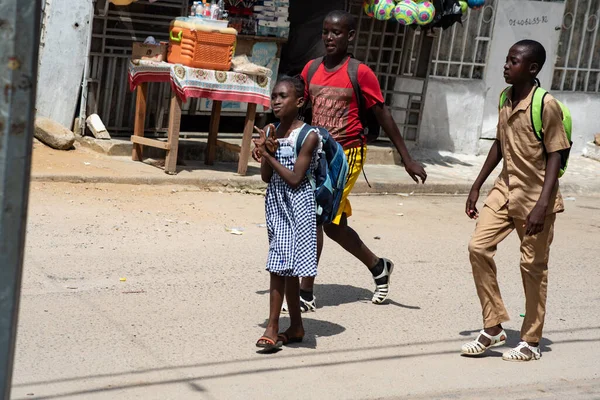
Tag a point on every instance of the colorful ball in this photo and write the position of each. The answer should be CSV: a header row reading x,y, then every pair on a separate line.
x,y
406,12
476,3
464,7
426,13
383,9
368,8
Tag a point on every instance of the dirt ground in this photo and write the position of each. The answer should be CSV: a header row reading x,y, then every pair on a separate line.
x,y
141,292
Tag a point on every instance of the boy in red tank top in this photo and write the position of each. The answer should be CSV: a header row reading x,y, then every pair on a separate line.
x,y
336,108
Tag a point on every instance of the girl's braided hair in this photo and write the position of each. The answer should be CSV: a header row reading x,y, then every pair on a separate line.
x,y
295,81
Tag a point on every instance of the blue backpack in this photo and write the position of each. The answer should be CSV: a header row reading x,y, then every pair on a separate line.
x,y
329,177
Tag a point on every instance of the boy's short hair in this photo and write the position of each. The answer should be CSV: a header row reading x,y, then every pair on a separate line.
x,y
535,51
345,17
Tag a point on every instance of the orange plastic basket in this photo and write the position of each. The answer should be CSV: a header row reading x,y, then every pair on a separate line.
x,y
202,47
214,50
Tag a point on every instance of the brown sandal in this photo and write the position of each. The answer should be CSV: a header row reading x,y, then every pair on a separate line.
x,y
268,344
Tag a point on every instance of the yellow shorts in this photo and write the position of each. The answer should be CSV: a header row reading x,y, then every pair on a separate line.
x,y
356,160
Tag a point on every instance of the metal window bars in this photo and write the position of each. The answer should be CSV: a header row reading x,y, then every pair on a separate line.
x,y
105,87
399,56
462,51
577,67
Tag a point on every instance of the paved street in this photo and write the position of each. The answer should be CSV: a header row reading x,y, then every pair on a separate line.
x,y
141,292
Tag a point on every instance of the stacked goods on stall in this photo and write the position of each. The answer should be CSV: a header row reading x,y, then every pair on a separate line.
x,y
272,18
241,16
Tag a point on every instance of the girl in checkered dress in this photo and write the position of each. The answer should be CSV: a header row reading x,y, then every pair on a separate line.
x,y
290,208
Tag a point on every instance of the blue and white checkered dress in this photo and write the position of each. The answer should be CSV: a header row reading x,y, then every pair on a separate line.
x,y
291,217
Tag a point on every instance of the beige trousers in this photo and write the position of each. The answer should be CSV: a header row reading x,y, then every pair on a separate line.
x,y
492,228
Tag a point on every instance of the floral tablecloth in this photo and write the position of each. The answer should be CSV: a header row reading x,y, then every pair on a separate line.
x,y
203,83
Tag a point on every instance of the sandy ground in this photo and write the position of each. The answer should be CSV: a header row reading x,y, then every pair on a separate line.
x,y
140,292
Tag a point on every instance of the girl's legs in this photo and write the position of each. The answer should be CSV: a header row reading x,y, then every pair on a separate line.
x,y
275,301
292,296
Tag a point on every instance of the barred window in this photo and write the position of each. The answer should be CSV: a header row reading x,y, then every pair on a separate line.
x,y
462,50
577,67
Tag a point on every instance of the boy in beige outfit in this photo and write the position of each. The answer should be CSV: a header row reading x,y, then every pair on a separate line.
x,y
525,198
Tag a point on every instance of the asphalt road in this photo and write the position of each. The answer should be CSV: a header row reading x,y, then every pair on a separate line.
x,y
140,292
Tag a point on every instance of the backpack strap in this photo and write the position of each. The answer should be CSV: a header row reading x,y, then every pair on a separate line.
x,y
537,112
302,135
503,98
353,65
314,66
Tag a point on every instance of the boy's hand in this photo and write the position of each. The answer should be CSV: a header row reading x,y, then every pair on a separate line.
x,y
414,169
471,206
534,223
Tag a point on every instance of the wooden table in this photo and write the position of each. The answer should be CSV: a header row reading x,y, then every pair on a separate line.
x,y
187,82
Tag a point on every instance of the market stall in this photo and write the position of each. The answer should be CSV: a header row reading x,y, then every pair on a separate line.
x,y
197,62
186,83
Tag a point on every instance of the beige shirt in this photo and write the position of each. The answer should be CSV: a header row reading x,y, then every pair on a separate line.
x,y
524,159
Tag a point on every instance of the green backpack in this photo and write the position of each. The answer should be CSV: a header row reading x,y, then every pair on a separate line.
x,y
537,110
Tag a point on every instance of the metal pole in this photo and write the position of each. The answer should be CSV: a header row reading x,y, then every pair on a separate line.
x,y
19,42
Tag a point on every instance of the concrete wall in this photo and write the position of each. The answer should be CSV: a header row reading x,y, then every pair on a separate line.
x,y
584,110
63,51
507,32
453,115
461,115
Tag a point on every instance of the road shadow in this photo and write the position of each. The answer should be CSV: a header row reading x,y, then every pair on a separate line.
x,y
333,295
313,329
513,339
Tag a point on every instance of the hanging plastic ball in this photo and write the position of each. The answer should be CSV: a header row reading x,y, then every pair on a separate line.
x,y
406,12
426,13
476,3
368,8
383,9
464,7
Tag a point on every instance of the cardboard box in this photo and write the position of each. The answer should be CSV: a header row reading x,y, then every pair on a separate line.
x,y
153,52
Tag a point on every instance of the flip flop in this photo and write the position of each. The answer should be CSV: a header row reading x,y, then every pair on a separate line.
x,y
268,344
285,339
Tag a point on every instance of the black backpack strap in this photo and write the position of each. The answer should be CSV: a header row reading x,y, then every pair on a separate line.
x,y
353,65
314,66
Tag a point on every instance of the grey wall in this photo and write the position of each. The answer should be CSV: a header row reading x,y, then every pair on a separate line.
x,y
585,109
63,50
453,115
454,111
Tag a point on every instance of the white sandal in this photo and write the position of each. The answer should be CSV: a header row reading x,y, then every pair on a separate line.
x,y
383,291
305,306
517,355
475,348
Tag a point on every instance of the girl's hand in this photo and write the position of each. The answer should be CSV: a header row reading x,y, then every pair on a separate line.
x,y
259,144
271,142
256,154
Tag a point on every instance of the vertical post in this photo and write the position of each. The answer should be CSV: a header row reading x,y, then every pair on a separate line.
x,y
19,44
140,119
247,139
213,132
173,134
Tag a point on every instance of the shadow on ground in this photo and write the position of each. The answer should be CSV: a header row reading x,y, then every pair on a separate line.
x,y
333,295
354,355
314,329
